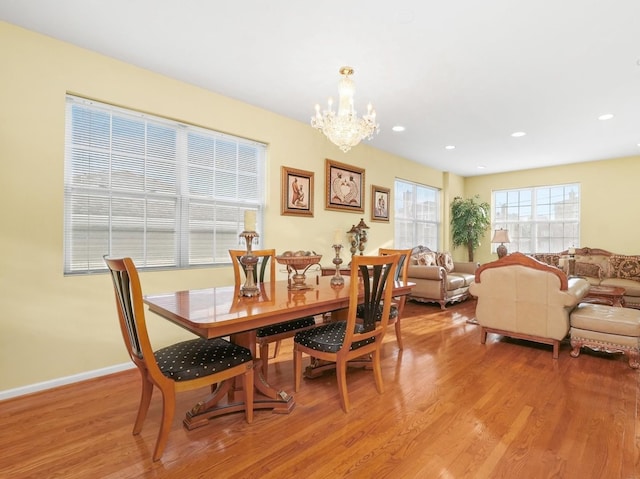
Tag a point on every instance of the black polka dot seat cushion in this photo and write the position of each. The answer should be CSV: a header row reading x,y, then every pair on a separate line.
x,y
328,337
199,357
393,311
285,326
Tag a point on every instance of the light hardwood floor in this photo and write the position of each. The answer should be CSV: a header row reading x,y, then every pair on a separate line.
x,y
452,408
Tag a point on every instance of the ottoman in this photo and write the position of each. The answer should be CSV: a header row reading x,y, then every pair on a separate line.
x,y
605,328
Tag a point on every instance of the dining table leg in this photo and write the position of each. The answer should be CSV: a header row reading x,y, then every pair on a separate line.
x,y
265,395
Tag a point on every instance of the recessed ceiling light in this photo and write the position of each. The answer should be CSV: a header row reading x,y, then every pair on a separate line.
x,y
518,134
450,147
606,116
398,128
481,167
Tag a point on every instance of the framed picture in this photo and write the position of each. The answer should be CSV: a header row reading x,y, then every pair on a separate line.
x,y
297,192
344,187
380,200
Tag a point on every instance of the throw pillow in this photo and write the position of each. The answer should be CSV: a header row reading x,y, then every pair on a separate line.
x,y
445,260
590,270
552,259
626,267
427,258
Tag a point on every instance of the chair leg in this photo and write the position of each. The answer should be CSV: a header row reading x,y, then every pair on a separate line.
x,y
264,356
276,349
168,409
297,368
248,394
145,400
377,371
399,334
341,376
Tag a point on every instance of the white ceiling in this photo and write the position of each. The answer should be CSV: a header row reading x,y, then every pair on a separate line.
x,y
459,72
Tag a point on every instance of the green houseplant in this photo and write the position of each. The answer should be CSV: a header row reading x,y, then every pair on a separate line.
x,y
470,218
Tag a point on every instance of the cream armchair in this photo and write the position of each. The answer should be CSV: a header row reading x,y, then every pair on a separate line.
x,y
523,298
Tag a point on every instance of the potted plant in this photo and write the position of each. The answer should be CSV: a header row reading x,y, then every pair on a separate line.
x,y
470,218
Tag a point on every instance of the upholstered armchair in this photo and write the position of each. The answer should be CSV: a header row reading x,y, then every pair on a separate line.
x,y
523,298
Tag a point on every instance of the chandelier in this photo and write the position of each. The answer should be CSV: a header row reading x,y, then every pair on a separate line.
x,y
343,127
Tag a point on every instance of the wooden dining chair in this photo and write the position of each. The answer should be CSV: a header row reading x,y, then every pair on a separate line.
x,y
341,341
277,332
184,366
402,273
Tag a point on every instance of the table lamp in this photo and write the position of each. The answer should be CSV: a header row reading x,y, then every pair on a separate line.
x,y
501,236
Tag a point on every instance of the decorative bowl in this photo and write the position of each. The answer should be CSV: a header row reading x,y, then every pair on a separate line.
x,y
300,264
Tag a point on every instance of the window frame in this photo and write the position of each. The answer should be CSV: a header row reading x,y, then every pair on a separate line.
x,y
535,221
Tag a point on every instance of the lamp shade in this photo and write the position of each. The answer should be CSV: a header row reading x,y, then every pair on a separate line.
x,y
500,236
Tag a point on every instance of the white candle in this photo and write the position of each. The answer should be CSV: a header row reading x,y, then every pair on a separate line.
x,y
572,250
337,238
249,220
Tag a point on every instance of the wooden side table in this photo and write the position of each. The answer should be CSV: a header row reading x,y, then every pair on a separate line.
x,y
610,295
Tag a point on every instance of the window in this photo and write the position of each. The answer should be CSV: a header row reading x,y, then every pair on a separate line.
x,y
544,219
417,215
167,194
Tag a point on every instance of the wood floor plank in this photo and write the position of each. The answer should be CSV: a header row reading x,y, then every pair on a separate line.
x,y
452,408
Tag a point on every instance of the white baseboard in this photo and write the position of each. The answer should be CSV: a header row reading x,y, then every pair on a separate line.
x,y
54,383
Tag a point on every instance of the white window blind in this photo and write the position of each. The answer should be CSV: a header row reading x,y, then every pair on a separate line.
x,y
167,194
542,219
417,215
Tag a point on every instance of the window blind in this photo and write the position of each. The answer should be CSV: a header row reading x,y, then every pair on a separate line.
x,y
417,215
167,194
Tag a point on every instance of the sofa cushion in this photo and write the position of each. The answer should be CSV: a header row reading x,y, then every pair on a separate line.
x,y
445,260
455,281
631,287
625,267
467,277
606,319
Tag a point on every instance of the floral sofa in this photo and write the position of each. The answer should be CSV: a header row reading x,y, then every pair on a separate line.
x,y
601,267
437,278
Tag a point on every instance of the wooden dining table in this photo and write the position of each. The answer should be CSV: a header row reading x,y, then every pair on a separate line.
x,y
223,311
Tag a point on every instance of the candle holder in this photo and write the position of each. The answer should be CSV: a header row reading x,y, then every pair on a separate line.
x,y
249,261
362,228
337,279
354,238
358,237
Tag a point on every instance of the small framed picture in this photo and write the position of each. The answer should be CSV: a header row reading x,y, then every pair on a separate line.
x,y
297,192
344,187
380,202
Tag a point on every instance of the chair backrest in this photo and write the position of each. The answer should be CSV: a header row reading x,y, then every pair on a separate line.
x,y
128,295
402,271
519,294
374,275
266,260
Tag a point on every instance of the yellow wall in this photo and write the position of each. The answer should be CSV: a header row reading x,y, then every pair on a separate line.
x,y
54,326
608,189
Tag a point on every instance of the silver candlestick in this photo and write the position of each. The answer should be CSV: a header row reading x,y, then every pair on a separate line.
x,y
337,279
249,261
